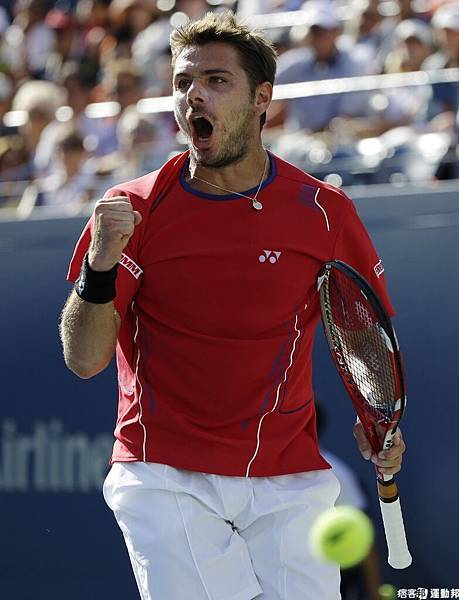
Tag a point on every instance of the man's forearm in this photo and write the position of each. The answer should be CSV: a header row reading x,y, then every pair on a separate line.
x,y
89,328
88,333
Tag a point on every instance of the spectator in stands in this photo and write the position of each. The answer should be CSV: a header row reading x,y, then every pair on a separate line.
x,y
93,14
402,106
30,39
38,100
79,83
129,18
144,145
146,139
80,45
123,82
68,45
150,44
15,170
70,187
369,32
445,101
144,142
444,105
153,42
98,45
345,118
414,43
321,58
393,13
150,139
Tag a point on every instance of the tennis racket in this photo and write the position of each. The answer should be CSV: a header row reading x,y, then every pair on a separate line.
x,y
365,351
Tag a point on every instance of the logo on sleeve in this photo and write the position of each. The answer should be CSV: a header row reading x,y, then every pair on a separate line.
x,y
379,268
131,266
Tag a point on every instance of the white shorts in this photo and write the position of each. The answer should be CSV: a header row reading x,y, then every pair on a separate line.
x,y
195,536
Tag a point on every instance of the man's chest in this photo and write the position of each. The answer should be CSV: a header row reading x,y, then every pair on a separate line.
x,y
230,276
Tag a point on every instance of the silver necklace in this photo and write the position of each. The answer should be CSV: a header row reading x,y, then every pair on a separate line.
x,y
257,205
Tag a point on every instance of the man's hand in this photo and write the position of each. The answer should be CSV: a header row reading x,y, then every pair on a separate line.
x,y
388,461
114,223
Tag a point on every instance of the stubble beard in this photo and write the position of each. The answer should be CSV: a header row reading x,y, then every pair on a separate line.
x,y
234,145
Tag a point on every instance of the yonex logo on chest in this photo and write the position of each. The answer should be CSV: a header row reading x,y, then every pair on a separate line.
x,y
271,256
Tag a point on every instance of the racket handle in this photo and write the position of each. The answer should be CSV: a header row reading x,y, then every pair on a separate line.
x,y
391,511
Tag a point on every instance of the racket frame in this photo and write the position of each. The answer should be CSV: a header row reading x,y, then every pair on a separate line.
x,y
399,555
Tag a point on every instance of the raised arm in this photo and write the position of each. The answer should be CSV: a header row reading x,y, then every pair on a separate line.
x,y
89,322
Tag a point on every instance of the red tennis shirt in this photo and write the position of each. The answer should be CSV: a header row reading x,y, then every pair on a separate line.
x,y
219,306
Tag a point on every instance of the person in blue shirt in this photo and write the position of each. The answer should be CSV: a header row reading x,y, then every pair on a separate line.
x,y
323,57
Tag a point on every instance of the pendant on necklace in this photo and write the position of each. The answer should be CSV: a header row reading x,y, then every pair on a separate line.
x,y
257,205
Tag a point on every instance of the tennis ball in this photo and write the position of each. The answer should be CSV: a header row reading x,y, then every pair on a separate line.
x,y
342,535
387,592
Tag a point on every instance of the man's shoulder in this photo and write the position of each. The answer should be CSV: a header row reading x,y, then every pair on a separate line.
x,y
141,187
145,189
290,172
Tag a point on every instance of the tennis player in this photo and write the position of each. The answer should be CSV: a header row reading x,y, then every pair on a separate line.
x,y
201,277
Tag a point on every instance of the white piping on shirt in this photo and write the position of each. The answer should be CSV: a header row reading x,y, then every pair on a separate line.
x,y
298,332
144,445
321,208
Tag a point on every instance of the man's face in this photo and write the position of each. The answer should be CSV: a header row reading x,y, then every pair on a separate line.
x,y
213,105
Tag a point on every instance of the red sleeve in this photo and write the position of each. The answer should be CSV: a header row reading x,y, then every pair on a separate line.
x,y
354,247
130,272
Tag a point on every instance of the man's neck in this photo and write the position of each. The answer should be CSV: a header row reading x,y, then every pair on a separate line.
x,y
241,175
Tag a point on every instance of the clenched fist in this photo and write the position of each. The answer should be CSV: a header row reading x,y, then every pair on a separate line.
x,y
114,223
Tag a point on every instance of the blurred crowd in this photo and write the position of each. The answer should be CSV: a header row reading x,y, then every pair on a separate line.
x,y
72,73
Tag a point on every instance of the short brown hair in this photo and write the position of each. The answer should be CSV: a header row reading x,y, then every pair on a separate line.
x,y
256,53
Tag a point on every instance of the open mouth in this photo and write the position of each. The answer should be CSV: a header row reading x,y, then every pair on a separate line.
x,y
202,128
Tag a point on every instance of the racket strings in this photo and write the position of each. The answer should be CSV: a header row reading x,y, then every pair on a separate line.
x,y
361,346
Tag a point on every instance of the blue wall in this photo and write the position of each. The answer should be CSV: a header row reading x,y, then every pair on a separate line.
x,y
58,540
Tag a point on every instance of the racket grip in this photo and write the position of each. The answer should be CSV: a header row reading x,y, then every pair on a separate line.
x,y
391,511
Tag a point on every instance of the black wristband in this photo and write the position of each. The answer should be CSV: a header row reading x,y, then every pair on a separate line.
x,y
98,287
